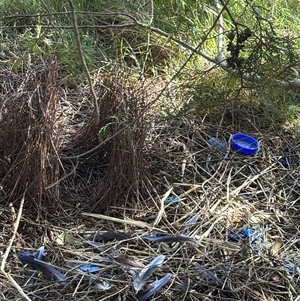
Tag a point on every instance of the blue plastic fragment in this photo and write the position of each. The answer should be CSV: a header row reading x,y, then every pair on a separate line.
x,y
192,220
286,160
172,199
254,249
290,265
255,236
249,232
218,144
89,268
246,233
246,196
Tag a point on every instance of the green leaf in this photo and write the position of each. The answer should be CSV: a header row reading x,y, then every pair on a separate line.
x,y
64,238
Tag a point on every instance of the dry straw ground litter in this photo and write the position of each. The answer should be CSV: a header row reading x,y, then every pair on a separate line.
x,y
189,188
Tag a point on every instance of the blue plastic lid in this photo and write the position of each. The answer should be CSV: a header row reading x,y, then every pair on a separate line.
x,y
244,144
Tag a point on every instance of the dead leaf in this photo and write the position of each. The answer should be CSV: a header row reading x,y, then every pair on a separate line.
x,y
276,246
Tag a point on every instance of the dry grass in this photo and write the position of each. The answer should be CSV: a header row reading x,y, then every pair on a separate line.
x,y
226,194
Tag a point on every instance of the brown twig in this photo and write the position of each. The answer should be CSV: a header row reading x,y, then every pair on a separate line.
x,y
2,268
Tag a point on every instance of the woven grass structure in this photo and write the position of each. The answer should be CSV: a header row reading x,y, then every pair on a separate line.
x,y
110,157
29,152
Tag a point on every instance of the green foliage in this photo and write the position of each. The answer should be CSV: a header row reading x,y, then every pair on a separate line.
x,y
105,132
211,92
38,29
274,28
